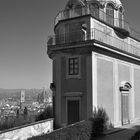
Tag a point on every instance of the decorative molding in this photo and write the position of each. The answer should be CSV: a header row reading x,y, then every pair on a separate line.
x,y
128,64
116,96
104,57
94,80
101,46
89,85
58,90
132,94
73,94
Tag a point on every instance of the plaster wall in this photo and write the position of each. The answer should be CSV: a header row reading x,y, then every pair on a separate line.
x,y
105,86
137,91
71,86
108,74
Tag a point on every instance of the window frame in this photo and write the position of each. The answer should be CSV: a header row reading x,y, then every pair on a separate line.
x,y
76,74
110,14
120,17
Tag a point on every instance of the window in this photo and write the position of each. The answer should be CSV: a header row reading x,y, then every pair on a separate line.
x,y
110,14
73,67
120,17
94,8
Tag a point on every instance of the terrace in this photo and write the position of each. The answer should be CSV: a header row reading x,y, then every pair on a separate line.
x,y
96,34
116,23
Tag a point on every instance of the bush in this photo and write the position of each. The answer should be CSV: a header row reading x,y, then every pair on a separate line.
x,y
15,122
100,121
136,136
46,114
78,131
25,119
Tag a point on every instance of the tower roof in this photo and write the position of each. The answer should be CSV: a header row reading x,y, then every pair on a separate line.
x,y
70,3
116,2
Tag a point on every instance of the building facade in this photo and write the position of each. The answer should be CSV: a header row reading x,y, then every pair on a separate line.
x,y
96,63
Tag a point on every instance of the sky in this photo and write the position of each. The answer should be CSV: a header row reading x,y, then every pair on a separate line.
x,y
24,29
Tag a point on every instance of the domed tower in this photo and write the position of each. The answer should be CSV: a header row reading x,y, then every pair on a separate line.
x,y
93,52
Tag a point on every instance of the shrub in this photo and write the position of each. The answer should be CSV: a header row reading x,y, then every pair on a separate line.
x,y
78,131
100,121
136,136
15,122
46,114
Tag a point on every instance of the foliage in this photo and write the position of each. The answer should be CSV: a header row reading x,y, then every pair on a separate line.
x,y
136,136
40,97
19,120
47,113
25,112
44,95
78,131
15,122
100,121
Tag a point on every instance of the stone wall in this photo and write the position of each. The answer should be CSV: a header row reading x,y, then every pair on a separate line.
x,y
27,131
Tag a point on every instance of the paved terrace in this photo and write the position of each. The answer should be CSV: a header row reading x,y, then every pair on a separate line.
x,y
123,133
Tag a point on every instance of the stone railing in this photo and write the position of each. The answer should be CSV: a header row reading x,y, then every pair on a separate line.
x,y
101,16
94,34
27,131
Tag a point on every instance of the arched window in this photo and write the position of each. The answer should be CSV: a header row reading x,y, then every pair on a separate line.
x,y
120,12
94,9
78,10
110,14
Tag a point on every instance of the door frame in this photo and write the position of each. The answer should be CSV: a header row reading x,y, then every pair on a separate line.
x,y
126,93
125,89
73,99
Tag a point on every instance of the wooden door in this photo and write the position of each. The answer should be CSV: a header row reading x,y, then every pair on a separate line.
x,y
125,107
73,111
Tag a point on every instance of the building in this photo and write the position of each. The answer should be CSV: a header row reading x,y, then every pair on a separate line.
x,y
96,62
22,96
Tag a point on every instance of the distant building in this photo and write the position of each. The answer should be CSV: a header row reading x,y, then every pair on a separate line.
x,y
22,96
96,62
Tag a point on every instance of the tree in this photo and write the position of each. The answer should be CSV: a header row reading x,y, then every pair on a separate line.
x,y
40,97
46,114
25,112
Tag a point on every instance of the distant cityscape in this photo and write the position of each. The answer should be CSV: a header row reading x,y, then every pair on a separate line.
x,y
14,102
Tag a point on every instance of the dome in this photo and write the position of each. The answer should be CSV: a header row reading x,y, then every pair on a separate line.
x,y
70,3
116,2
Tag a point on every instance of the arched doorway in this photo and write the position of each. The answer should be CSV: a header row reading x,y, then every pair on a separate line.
x,y
125,91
